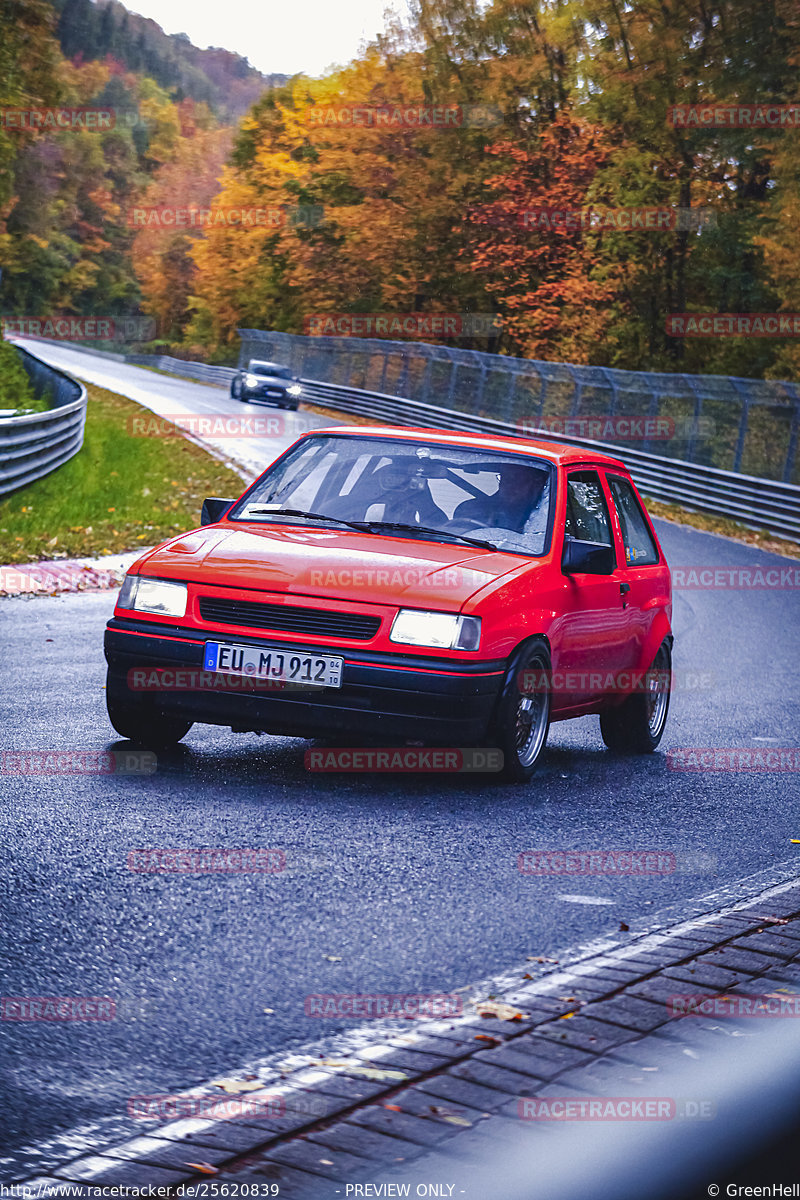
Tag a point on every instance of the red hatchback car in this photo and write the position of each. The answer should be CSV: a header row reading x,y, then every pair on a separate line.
x,y
385,584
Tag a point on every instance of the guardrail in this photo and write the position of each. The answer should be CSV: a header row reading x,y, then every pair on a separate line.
x,y
181,366
762,503
767,504
744,426
34,445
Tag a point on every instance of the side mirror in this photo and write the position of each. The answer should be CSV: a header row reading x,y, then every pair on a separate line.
x,y
587,558
213,509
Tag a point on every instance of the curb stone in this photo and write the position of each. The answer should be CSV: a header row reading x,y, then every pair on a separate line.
x,y
474,1067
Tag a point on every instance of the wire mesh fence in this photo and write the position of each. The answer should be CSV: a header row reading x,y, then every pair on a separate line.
x,y
732,424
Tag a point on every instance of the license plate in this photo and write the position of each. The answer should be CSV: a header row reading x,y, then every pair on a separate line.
x,y
279,662
274,392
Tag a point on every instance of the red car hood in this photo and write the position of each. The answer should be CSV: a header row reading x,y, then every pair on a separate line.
x,y
342,565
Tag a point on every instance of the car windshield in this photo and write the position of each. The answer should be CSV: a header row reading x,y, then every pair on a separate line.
x,y
271,369
502,499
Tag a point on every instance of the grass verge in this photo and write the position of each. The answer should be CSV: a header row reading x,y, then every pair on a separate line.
x,y
118,493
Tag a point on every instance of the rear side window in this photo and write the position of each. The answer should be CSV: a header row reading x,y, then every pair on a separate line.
x,y
640,549
587,515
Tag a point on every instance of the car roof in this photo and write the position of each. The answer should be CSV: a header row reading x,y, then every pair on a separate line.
x,y
555,452
262,362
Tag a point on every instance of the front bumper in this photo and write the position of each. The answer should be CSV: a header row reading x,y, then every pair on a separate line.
x,y
382,695
270,395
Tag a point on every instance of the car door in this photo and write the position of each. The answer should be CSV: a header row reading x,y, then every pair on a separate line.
x,y
596,633
640,569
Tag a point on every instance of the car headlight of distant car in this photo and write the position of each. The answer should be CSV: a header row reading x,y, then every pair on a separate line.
x,y
153,596
446,631
251,380
294,390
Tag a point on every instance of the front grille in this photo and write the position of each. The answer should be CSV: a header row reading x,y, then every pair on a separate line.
x,y
289,618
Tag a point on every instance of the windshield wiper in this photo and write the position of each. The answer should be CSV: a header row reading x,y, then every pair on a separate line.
x,y
371,526
401,526
298,512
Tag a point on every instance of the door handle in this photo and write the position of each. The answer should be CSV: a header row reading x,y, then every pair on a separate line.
x,y
624,588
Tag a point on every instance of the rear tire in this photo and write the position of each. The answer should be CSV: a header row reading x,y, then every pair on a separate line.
x,y
636,726
141,722
522,717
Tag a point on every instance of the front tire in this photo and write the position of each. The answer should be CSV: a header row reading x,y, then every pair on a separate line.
x,y
522,717
141,723
236,388
637,725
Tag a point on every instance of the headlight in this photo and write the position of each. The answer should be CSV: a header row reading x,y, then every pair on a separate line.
x,y
153,596
447,631
251,381
294,390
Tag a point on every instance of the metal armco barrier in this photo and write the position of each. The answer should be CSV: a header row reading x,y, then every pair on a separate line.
x,y
754,421
32,446
762,502
181,366
747,426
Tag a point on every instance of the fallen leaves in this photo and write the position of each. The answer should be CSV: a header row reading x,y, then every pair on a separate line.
x,y
540,958
203,1167
234,1086
377,1074
499,1010
450,1115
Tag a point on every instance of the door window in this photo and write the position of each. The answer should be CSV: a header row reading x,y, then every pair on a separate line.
x,y
640,549
587,513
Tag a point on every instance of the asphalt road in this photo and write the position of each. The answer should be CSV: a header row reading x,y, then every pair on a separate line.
x,y
169,396
403,884
409,883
